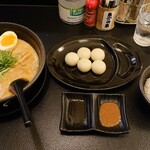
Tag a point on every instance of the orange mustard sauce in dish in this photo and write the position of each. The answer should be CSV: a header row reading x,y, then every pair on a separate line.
x,y
109,114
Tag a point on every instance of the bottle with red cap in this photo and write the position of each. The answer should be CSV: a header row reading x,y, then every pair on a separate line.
x,y
90,13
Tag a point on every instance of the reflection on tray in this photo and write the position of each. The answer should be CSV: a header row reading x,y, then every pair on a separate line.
x,y
87,112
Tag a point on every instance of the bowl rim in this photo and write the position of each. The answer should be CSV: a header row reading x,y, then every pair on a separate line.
x,y
43,56
141,84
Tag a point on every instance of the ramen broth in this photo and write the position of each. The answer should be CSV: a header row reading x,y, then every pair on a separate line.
x,y
26,67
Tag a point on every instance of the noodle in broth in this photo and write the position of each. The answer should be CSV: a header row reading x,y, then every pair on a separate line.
x,y
26,67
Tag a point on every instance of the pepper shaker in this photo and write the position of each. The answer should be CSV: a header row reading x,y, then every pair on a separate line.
x,y
123,10
134,10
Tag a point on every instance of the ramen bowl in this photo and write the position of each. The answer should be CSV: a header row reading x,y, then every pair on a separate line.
x,y
31,38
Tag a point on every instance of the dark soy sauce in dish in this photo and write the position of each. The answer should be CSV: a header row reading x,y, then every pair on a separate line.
x,y
76,115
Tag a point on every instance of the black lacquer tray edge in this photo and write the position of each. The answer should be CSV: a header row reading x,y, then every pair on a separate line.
x,y
89,88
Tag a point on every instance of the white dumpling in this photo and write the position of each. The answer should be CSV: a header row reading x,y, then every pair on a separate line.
x,y
84,65
97,54
71,59
98,67
84,52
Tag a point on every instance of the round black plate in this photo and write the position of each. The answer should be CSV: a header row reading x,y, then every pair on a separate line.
x,y
12,107
122,61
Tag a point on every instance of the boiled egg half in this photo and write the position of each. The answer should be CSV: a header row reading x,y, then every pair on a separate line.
x,y
8,40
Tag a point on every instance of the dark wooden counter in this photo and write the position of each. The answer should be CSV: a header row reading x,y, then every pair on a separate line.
x,y
45,134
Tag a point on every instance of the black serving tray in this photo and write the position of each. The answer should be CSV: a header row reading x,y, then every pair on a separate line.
x,y
80,112
123,63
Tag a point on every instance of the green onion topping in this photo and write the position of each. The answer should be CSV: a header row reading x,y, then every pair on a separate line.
x,y
6,61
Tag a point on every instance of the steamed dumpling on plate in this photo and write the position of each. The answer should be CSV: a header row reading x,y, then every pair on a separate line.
x,y
84,52
98,67
71,59
97,54
84,65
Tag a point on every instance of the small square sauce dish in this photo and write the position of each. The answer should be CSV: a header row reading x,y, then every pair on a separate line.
x,y
103,113
110,114
75,115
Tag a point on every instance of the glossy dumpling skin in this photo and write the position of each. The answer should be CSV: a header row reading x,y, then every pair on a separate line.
x,y
71,59
84,52
84,65
97,54
98,67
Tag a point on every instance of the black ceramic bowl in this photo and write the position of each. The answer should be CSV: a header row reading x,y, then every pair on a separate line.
x,y
29,36
144,76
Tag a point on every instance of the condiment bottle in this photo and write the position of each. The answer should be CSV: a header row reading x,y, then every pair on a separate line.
x,y
146,1
123,10
90,13
71,11
134,10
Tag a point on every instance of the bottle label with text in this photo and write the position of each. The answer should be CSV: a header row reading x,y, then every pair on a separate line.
x,y
72,16
108,19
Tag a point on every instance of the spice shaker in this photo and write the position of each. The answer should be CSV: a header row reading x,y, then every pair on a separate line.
x,y
146,1
90,13
134,10
123,10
